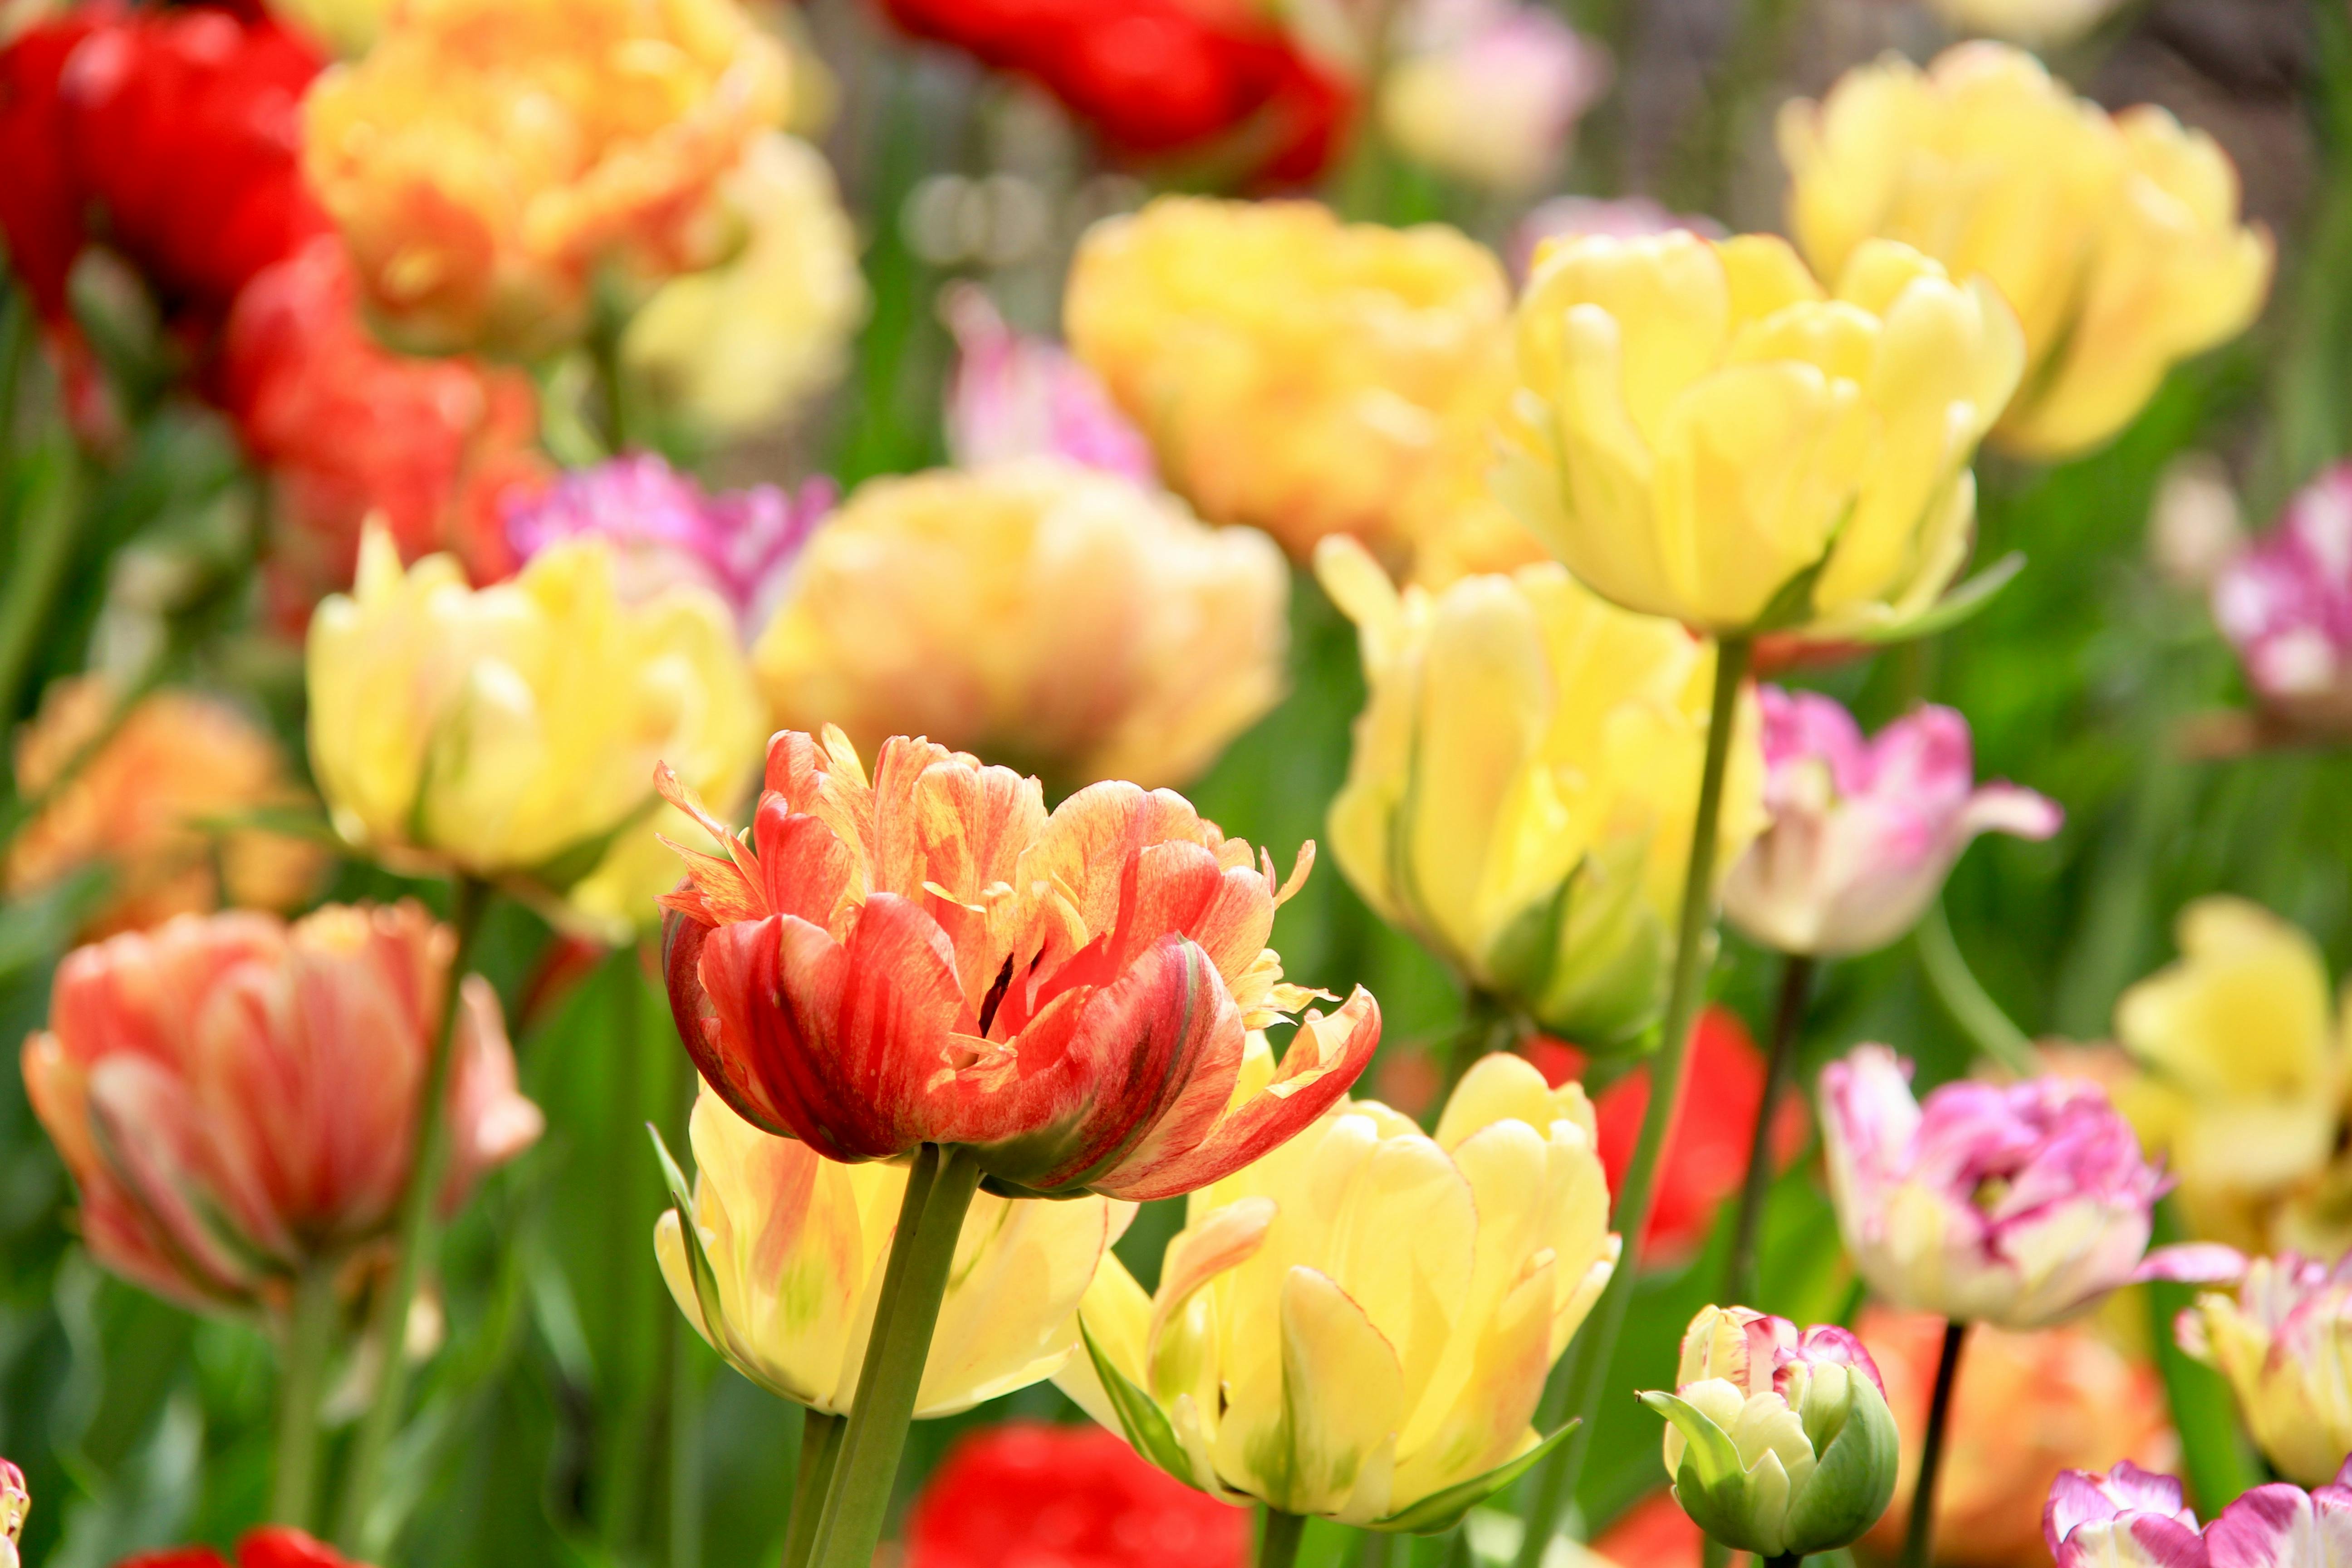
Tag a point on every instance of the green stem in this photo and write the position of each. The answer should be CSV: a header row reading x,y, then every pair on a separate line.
x,y
427,1155
820,1446
684,1449
1788,1019
40,550
310,1340
1786,1560
1919,1539
1278,1534
1975,1010
15,348
1563,1467
1372,1551
1486,1027
2213,1454
605,354
1714,1553
938,1194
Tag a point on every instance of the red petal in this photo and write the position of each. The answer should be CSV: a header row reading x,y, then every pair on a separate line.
x,y
690,1007
804,865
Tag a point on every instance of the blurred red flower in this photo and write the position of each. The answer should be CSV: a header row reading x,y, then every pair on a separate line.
x,y
1653,1533
1706,1148
1031,1495
274,1546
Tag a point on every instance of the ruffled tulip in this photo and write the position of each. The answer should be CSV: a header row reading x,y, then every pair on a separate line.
x,y
272,1546
1525,776
665,529
1358,1325
1780,1441
236,1097
1863,832
154,806
1293,373
2017,1205
930,958
748,343
2116,239
488,156
512,732
1703,432
2285,605
2283,1342
2245,1065
1074,1497
1013,395
16,1502
2130,1519
1039,612
1489,90
2037,24
781,1274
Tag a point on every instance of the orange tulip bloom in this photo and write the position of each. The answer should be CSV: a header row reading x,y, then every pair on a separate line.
x,y
931,958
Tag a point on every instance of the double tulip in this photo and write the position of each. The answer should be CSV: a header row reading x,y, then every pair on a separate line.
x,y
2284,1342
2127,1518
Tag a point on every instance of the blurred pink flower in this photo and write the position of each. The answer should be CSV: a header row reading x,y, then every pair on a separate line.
x,y
2285,605
666,528
1489,91
2017,1205
2128,1518
16,1502
1015,395
1863,832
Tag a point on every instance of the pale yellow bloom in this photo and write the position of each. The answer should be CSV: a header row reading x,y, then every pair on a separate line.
x,y
1524,782
512,732
1363,1319
1292,372
2285,1341
1702,432
2116,239
486,157
790,1248
347,27
2035,22
1041,614
747,342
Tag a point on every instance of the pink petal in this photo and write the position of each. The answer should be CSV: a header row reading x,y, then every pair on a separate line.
x,y
2193,1263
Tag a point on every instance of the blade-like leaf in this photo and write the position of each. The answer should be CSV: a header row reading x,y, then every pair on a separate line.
x,y
1959,605
1441,1512
1144,1424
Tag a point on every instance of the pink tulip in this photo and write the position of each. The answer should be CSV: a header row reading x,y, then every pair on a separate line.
x,y
2285,605
236,1097
1015,396
16,1502
1863,832
2128,1518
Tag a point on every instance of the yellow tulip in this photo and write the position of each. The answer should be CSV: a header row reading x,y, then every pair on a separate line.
x,y
1701,432
1362,1322
1293,372
2285,1341
512,732
2116,239
1034,612
1524,782
789,1249
347,27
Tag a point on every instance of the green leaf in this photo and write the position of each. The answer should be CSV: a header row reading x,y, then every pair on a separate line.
x,y
1139,1416
1441,1512
698,1262
1526,948
1961,605
1709,1452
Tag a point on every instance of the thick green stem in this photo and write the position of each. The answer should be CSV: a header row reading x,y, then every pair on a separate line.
x,y
820,1446
308,1342
1278,1534
427,1155
1786,1560
1635,1198
1919,1539
913,1285
1787,1018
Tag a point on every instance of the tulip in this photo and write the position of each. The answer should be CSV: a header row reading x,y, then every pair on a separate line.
x,y
1521,793
507,732
781,1273
1488,91
1780,1441
347,27
1358,1325
742,346
1074,1497
486,157
665,529
2130,1519
1702,432
235,1096
2285,605
1013,395
16,1502
1035,612
2037,24
2116,239
2019,1205
273,1546
1863,832
2283,1342
1292,372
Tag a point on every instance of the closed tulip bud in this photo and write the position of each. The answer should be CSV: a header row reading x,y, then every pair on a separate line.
x,y
2282,1342
511,731
1358,1325
2117,238
1523,780
1704,432
236,1097
781,1274
1039,612
1780,1441
2130,1519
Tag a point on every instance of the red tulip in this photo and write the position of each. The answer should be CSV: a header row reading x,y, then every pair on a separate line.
x,y
274,1546
930,958
1030,1495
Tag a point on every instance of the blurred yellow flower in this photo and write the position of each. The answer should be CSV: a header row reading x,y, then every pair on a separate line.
x,y
1525,777
1362,1322
2283,1342
512,732
2037,24
1038,613
150,806
487,156
1292,372
745,344
1701,432
2244,1075
783,1277
2116,239
347,27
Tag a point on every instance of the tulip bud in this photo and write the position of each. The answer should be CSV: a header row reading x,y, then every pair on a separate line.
x,y
2281,1342
1780,1442
2285,605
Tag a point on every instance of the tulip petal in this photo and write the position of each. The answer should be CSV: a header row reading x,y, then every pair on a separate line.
x,y
2279,1526
2192,1263
1342,1396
